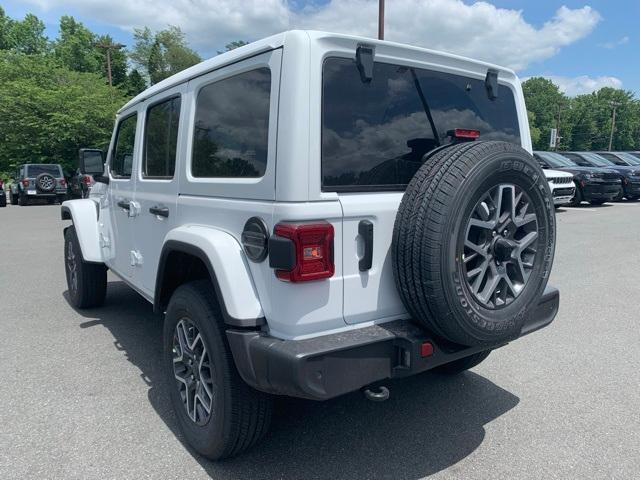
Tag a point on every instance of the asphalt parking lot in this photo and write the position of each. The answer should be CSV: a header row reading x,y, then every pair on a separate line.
x,y
82,394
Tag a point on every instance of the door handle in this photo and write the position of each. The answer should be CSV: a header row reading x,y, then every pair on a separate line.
x,y
160,211
124,204
365,230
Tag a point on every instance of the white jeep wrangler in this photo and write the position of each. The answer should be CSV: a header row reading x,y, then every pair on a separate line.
x,y
314,214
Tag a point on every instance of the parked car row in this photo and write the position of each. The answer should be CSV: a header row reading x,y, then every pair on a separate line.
x,y
598,177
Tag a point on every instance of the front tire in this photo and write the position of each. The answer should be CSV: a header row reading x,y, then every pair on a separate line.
x,y
86,282
218,413
597,202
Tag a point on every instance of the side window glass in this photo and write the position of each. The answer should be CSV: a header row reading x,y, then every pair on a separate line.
x,y
161,139
122,157
232,126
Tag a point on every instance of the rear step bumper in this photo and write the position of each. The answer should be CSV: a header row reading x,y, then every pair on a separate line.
x,y
331,365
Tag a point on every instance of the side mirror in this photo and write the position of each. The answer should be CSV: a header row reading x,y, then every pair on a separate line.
x,y
92,163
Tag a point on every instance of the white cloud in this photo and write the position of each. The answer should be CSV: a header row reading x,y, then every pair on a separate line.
x,y
611,45
573,86
479,30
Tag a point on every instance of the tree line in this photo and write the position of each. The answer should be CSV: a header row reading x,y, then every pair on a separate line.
x,y
584,122
55,94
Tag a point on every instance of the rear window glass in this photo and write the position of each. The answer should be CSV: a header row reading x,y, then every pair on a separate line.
x,y
35,170
375,134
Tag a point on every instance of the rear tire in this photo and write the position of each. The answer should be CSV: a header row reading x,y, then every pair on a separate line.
x,y
597,202
473,242
13,198
86,282
3,200
22,199
463,364
238,415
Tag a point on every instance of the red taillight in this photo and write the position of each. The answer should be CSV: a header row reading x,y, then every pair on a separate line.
x,y
25,183
312,249
1,184
86,179
464,133
426,349
62,182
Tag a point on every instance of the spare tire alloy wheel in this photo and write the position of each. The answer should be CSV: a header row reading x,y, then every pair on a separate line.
x,y
498,246
193,371
46,182
473,242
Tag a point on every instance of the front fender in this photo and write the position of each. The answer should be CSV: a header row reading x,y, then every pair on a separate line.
x,y
227,266
84,215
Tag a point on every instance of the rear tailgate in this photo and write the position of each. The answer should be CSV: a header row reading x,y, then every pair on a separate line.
x,y
374,137
369,294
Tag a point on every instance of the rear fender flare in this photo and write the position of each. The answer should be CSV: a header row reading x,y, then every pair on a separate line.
x,y
228,268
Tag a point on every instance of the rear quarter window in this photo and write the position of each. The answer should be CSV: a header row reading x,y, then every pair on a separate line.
x,y
375,134
231,130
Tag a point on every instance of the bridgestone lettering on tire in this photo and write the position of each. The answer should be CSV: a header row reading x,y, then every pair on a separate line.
x,y
473,242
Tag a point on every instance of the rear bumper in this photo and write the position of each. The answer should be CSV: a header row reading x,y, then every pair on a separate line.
x,y
328,366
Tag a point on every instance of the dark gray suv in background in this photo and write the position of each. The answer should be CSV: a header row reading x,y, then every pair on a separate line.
x,y
38,181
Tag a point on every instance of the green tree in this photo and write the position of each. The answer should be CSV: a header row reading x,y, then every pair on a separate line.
x,y
545,100
233,45
75,47
134,83
162,54
49,111
533,130
25,36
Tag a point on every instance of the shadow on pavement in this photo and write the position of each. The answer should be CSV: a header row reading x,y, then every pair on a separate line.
x,y
430,422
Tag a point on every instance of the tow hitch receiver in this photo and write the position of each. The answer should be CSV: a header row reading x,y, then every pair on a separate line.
x,y
376,394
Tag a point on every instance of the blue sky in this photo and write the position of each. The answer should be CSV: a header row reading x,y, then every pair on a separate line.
x,y
582,45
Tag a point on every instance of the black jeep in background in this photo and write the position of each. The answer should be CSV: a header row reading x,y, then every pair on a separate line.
x,y
630,175
38,181
593,184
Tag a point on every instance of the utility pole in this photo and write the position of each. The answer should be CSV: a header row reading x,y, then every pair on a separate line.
x,y
614,105
380,19
108,47
558,127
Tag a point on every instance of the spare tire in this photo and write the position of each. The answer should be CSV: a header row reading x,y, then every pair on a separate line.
x,y
473,242
45,183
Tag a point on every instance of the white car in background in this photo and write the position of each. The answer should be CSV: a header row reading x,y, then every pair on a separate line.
x,y
562,187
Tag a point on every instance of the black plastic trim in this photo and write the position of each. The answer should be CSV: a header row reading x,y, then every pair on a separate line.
x,y
365,230
177,246
282,253
491,84
325,367
65,213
